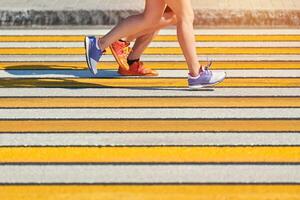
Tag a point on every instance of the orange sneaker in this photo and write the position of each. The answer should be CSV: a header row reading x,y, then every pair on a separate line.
x,y
120,51
137,69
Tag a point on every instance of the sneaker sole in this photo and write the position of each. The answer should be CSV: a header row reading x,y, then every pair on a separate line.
x,y
87,47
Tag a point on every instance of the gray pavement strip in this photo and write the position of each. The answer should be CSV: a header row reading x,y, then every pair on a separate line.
x,y
151,113
149,174
148,92
150,139
162,73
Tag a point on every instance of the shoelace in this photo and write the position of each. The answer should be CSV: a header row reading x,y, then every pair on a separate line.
x,y
206,68
124,48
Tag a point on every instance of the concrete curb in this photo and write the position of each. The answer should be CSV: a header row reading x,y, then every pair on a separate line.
x,y
206,18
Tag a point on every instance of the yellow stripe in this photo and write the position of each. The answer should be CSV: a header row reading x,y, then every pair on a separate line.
x,y
226,50
160,38
149,154
234,38
162,192
143,82
152,51
149,102
153,65
20,126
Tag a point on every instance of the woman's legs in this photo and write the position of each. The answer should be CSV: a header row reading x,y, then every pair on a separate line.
x,y
143,40
185,32
168,19
151,16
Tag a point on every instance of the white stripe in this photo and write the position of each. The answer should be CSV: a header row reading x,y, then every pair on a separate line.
x,y
153,44
153,58
146,92
153,113
102,31
162,73
149,139
151,174
41,44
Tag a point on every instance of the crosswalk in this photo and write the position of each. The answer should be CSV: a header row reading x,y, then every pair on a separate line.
x,y
66,134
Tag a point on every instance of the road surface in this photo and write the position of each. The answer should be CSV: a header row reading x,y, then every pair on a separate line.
x,y
66,134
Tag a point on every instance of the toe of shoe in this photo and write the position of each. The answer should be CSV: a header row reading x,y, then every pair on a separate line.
x,y
219,77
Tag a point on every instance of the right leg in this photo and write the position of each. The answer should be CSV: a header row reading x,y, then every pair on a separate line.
x,y
199,76
185,31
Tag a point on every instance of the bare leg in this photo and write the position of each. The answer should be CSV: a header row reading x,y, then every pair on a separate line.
x,y
185,32
168,19
153,12
140,45
143,40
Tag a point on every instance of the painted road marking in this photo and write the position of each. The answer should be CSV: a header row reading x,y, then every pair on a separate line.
x,y
111,126
141,83
157,51
151,58
162,73
160,38
152,45
146,102
148,155
153,113
146,92
149,139
142,192
154,65
102,31
137,174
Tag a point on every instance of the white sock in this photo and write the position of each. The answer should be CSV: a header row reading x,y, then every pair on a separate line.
x,y
194,77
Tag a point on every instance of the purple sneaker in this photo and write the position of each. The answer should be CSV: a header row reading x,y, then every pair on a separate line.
x,y
206,78
92,53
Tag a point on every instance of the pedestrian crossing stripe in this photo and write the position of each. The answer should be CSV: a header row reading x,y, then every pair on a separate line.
x,y
159,38
153,65
156,51
166,102
167,139
149,154
143,125
142,83
148,192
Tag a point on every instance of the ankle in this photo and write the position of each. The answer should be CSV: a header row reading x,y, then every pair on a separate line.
x,y
131,61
